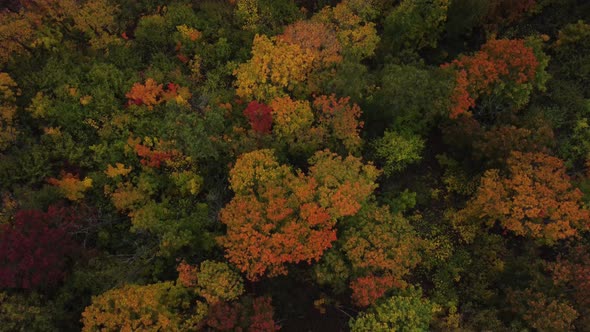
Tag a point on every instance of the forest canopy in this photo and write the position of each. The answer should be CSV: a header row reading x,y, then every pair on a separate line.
x,y
294,165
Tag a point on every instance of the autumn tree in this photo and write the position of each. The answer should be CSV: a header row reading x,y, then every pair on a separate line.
x,y
502,67
327,122
376,250
36,248
541,312
214,281
151,94
299,128
259,116
533,198
207,296
340,119
318,37
358,37
292,119
220,303
162,180
71,186
276,67
8,93
132,308
279,217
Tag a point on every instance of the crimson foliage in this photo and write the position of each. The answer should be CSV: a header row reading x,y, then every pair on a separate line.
x,y
259,116
36,247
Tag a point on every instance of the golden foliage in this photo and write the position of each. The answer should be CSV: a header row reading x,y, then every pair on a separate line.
x,y
8,93
189,33
96,18
71,186
119,169
126,196
131,308
217,282
16,34
275,68
318,37
358,38
291,117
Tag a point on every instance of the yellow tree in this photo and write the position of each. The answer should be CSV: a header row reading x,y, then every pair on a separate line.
x,y
291,117
71,186
320,38
131,308
8,93
357,37
214,281
276,67
96,19
17,32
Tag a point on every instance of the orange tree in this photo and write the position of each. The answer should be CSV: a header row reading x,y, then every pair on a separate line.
x,y
278,216
533,198
503,67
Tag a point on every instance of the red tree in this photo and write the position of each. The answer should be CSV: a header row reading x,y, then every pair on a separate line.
x,y
259,116
249,314
35,248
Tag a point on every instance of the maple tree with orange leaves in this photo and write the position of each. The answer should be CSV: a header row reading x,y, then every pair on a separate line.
x,y
499,61
280,217
534,198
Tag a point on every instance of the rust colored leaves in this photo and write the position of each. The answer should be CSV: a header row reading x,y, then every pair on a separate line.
x,y
535,198
280,217
499,60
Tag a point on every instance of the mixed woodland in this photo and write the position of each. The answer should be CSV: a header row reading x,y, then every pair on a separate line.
x,y
302,165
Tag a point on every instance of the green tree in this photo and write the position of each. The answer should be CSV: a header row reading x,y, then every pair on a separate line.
x,y
398,150
408,311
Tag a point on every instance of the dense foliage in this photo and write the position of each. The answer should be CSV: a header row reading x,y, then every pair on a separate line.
x,y
303,165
